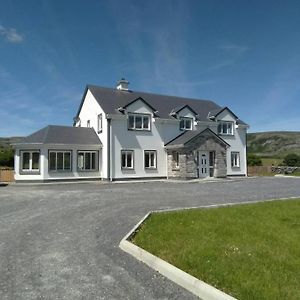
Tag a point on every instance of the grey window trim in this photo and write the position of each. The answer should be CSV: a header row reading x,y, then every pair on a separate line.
x,y
29,171
96,161
64,151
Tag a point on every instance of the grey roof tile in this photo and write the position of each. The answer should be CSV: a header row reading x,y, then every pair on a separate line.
x,y
54,134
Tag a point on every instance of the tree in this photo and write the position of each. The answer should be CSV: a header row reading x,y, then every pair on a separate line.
x,y
253,160
6,157
292,160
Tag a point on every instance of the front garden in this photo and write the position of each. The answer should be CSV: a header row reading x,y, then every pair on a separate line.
x,y
249,251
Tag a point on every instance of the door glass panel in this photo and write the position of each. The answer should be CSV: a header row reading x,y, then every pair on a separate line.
x,y
52,161
67,162
60,160
35,160
26,158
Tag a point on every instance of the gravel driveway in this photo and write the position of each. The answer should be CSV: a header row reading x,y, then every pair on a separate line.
x,y
61,241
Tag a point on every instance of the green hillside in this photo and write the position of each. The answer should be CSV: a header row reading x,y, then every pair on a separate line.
x,y
274,144
5,142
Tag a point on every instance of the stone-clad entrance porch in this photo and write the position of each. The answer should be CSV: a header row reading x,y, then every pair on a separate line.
x,y
195,154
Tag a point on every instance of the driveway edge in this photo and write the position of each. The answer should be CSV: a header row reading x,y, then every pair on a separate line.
x,y
185,280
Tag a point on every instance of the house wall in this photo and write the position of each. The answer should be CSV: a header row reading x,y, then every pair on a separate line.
x,y
90,111
237,143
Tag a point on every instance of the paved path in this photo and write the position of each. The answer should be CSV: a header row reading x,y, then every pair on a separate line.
x,y
61,241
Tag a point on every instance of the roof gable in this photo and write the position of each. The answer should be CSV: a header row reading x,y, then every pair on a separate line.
x,y
188,136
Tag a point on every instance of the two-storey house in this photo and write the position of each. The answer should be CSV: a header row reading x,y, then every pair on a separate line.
x,y
121,134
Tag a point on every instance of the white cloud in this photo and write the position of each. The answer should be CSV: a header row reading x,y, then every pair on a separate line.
x,y
11,35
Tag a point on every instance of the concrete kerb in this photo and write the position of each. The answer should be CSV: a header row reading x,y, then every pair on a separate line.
x,y
185,280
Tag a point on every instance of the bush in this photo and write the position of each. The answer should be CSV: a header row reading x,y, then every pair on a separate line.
x,y
253,160
292,160
6,157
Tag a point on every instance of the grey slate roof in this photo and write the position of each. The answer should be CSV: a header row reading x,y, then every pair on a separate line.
x,y
182,139
53,134
111,99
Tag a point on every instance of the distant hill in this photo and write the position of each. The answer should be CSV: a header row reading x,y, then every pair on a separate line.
x,y
5,142
273,143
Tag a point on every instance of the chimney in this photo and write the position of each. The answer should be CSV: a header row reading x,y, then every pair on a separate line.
x,y
122,84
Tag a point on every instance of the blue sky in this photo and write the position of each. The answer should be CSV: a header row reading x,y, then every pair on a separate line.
x,y
241,54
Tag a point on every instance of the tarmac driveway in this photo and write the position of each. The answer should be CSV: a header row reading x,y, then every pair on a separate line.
x,y
61,241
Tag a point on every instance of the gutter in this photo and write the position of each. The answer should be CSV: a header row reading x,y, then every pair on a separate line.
x,y
108,148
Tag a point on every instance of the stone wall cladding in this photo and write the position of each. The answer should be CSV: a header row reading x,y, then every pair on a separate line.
x,y
188,167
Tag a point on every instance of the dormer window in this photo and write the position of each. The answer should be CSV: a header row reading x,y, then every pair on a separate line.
x,y
139,122
225,128
186,124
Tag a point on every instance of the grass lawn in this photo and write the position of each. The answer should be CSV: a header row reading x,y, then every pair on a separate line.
x,y
249,251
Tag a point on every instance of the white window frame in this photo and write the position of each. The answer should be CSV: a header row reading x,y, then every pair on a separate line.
x,y
56,152
30,169
154,153
99,123
235,159
126,152
183,120
228,131
143,116
90,152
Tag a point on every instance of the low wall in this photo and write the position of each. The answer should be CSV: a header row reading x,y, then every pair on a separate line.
x,y
270,170
6,174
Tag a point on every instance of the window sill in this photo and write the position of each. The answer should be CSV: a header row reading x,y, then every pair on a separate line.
x,y
134,129
150,169
84,171
60,171
29,172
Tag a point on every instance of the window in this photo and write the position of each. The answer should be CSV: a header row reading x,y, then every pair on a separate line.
x,y
186,124
60,160
30,160
88,123
138,122
150,159
87,160
127,159
235,159
99,123
176,159
225,128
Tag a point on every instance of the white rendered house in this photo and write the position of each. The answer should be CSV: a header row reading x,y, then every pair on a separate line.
x,y
121,134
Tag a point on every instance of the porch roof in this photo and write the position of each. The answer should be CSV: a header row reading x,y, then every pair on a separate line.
x,y
66,135
182,139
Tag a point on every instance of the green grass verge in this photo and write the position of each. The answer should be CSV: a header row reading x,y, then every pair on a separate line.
x,y
248,251
271,161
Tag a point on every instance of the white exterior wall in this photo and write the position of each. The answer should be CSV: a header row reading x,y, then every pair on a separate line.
x,y
90,111
237,143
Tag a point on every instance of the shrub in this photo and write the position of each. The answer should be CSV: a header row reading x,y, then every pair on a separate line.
x,y
292,160
253,160
6,157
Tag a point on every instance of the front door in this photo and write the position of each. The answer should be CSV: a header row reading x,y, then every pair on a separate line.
x,y
203,164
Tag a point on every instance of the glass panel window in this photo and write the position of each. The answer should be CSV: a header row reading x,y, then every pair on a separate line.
x,y
131,122
59,160
67,161
87,160
186,124
176,159
138,122
99,123
225,128
26,161
235,159
150,159
127,159
30,160
35,161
